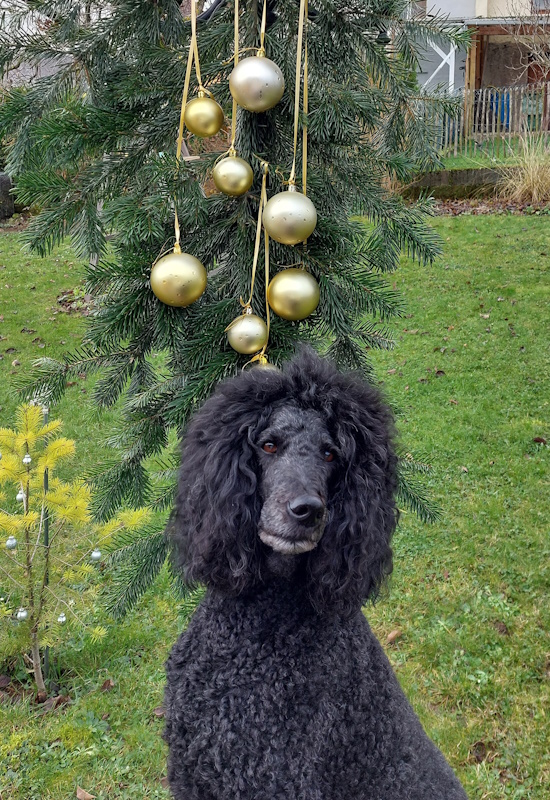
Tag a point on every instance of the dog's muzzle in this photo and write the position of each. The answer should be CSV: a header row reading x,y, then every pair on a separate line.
x,y
288,546
306,514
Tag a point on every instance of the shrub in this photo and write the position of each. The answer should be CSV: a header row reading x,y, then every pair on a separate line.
x,y
529,180
52,552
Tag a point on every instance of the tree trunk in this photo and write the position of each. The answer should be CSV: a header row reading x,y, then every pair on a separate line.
x,y
37,664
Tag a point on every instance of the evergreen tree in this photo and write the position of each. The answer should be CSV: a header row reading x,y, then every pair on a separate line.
x,y
93,145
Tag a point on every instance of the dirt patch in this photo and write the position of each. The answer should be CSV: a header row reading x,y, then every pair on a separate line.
x,y
14,224
75,301
488,205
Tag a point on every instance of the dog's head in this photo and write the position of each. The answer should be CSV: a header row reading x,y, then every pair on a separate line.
x,y
290,467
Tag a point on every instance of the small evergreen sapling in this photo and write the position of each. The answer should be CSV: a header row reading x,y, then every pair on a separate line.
x,y
47,581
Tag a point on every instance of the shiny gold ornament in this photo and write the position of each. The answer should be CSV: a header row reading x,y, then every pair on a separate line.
x,y
247,334
257,83
203,116
293,294
178,279
289,217
233,176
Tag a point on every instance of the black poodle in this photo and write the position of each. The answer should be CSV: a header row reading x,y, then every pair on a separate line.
x,y
278,690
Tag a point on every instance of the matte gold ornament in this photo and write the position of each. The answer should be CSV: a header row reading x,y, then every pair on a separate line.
x,y
178,279
257,83
289,217
293,294
233,176
263,363
247,334
203,116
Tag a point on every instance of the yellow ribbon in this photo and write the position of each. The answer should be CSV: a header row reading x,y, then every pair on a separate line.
x,y
301,27
263,201
261,51
304,131
193,54
235,62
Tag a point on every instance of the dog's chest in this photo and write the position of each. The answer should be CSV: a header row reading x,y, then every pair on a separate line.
x,y
250,671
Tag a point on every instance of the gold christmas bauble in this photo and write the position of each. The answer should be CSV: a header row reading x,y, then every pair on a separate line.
x,y
247,334
257,83
293,294
289,217
233,176
203,116
178,279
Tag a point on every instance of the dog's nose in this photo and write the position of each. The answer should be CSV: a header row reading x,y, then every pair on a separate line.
x,y
306,509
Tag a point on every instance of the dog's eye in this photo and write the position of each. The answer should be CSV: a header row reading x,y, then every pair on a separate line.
x,y
328,455
269,447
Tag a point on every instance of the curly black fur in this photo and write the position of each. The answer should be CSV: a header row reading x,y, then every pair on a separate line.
x,y
278,689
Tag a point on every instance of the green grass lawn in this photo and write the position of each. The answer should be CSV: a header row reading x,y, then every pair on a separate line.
x,y
469,595
488,153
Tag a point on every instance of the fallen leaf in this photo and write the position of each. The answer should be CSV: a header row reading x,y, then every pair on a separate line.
x,y
28,330
54,702
4,681
107,685
484,316
539,440
453,401
82,794
464,469
164,782
392,371
159,711
393,636
439,373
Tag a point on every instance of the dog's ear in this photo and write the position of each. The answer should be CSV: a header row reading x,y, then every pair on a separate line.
x,y
354,555
214,530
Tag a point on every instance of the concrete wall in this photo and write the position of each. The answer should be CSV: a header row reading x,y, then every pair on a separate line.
x,y
508,8
502,64
455,10
468,9
6,199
